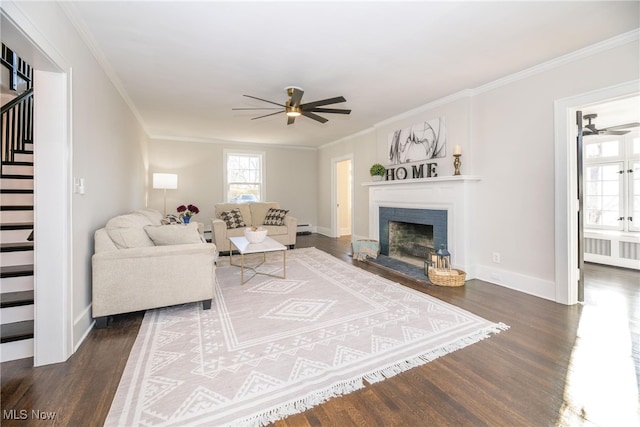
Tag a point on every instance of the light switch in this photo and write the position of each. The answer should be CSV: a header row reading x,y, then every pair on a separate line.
x,y
78,185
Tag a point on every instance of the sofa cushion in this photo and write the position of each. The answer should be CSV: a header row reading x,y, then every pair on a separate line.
x,y
275,216
165,235
233,218
276,230
127,231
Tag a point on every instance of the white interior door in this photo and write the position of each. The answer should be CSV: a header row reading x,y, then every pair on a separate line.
x,y
343,197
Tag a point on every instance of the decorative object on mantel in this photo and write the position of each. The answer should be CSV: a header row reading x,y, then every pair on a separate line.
x,y
457,152
441,273
377,171
186,212
423,141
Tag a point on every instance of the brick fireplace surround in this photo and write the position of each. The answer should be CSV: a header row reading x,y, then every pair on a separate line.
x,y
452,194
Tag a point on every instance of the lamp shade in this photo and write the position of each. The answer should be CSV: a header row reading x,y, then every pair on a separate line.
x,y
167,181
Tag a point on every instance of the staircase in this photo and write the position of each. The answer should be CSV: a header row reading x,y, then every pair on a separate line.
x,y
16,216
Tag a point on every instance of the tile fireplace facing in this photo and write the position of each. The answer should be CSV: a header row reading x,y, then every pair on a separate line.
x,y
445,203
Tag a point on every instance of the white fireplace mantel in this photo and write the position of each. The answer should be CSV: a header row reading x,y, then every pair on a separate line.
x,y
451,193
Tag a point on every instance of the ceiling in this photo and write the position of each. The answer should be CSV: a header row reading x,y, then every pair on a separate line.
x,y
184,65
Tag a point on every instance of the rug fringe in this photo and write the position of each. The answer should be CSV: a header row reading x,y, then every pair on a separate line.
x,y
345,387
297,406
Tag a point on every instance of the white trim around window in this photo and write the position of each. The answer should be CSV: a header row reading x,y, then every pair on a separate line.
x,y
259,179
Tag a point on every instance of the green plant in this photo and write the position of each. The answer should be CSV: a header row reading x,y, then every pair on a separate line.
x,y
377,169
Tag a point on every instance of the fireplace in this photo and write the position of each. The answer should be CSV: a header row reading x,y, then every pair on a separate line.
x,y
411,243
443,202
411,234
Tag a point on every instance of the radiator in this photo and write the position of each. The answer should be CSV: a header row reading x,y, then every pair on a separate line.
x,y
597,246
630,250
304,229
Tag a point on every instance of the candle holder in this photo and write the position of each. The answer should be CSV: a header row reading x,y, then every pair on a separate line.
x,y
457,163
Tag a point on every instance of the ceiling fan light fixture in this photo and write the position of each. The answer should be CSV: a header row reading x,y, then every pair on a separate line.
x,y
294,111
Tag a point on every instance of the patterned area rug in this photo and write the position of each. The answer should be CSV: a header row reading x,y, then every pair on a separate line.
x,y
276,347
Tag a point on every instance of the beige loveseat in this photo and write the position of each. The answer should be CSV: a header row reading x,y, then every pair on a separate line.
x,y
141,264
253,214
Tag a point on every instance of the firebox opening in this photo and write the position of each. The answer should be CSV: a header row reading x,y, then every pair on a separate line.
x,y
409,242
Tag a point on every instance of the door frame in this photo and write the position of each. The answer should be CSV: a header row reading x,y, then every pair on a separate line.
x,y
53,277
566,180
334,192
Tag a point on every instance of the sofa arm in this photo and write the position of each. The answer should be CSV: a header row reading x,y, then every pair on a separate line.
x,y
136,279
219,234
292,229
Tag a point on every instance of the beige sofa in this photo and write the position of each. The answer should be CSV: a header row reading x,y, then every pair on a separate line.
x,y
253,214
141,264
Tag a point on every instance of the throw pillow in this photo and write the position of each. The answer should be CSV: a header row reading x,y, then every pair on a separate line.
x,y
171,219
164,235
275,216
126,231
233,218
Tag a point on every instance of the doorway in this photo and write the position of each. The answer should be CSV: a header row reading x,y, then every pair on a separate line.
x,y
53,305
342,196
566,184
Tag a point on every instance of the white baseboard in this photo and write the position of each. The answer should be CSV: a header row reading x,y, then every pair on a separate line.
x,y
325,231
82,325
516,281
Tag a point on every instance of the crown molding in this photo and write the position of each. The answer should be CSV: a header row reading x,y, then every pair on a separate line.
x,y
346,138
153,138
617,41
620,40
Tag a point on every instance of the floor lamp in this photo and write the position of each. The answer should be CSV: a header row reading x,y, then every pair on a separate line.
x,y
165,181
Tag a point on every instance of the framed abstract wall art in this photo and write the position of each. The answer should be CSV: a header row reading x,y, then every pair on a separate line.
x,y
423,141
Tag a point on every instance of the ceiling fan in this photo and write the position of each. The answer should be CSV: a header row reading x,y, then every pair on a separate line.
x,y
590,128
293,107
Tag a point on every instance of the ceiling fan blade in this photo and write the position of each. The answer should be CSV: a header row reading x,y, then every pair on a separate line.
x,y
613,132
314,116
296,97
267,115
290,120
264,100
266,108
620,127
330,110
314,104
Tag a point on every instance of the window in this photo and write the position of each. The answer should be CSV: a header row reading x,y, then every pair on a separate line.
x,y
612,182
244,176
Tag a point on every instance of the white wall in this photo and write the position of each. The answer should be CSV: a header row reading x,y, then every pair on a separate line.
x,y
506,130
291,176
107,146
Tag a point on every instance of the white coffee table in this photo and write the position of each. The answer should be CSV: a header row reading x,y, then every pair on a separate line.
x,y
245,248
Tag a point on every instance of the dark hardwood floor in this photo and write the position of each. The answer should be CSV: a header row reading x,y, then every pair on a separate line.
x,y
555,366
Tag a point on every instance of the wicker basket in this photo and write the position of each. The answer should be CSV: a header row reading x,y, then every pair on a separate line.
x,y
437,278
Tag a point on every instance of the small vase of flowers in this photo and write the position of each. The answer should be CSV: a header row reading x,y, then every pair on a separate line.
x,y
186,212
